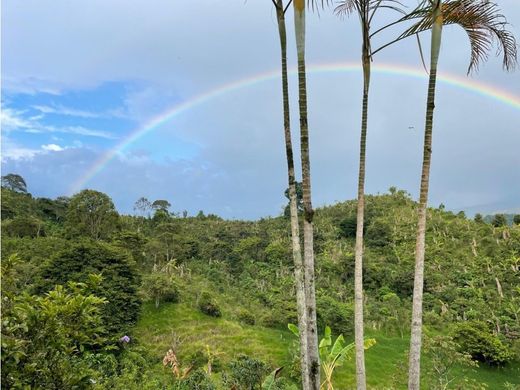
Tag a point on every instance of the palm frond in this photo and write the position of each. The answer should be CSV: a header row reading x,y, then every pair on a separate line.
x,y
483,23
346,7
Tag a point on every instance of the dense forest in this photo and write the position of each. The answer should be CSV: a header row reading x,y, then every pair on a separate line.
x,y
165,300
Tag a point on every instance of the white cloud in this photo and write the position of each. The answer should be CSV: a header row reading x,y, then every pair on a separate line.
x,y
61,110
17,120
52,148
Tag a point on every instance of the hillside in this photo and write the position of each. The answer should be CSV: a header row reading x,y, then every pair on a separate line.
x,y
204,282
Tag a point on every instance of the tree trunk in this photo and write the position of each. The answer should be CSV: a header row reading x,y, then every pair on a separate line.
x,y
358,268
414,374
308,245
295,228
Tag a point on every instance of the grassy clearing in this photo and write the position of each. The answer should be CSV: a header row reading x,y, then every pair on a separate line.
x,y
191,331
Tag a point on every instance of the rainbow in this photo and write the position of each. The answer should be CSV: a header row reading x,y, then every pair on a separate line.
x,y
485,90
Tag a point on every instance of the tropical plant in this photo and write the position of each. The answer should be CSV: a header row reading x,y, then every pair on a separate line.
x,y
484,25
119,279
366,10
313,361
333,355
292,194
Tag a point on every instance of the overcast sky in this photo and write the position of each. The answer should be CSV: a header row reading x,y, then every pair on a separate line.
x,y
79,76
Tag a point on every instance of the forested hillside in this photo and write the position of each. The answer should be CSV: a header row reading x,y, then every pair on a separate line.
x,y
164,300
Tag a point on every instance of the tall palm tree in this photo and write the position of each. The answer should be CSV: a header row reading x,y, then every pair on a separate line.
x,y
484,25
366,10
295,227
308,213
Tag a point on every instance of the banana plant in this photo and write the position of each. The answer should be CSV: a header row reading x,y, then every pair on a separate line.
x,y
333,355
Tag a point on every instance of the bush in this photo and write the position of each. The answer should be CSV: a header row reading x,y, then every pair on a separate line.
x,y
339,316
119,285
45,338
159,287
208,305
246,317
198,380
475,339
245,373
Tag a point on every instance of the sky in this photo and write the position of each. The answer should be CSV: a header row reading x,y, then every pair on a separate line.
x,y
181,100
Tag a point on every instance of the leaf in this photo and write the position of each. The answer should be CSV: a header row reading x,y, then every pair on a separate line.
x,y
270,380
294,329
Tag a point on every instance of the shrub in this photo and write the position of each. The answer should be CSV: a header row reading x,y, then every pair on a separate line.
x,y
339,316
44,338
246,317
198,380
119,285
245,373
475,339
208,305
159,287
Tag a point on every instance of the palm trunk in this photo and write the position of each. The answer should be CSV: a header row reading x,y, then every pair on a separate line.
x,y
308,245
414,375
295,228
358,268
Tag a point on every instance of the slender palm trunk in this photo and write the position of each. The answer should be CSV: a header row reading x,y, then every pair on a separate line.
x,y
358,268
295,228
308,245
414,375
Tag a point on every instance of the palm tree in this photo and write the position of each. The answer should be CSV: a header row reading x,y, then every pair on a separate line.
x,y
484,24
295,228
308,213
365,10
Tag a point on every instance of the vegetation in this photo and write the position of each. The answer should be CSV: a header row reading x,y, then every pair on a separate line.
x,y
239,270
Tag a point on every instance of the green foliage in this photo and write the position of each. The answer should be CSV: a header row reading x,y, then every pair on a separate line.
x,y
445,356
120,281
23,226
91,213
339,315
208,305
198,380
347,227
499,220
160,287
333,355
14,182
246,317
245,373
475,339
44,338
299,200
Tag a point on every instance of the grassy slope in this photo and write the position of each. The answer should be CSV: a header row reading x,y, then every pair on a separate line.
x,y
159,328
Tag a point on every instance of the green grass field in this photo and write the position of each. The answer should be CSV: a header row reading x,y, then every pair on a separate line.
x,y
191,331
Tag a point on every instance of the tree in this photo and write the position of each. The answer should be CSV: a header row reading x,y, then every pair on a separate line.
x,y
44,337
483,24
308,212
14,182
143,205
499,220
294,193
366,10
119,279
91,213
478,218
161,204
299,198
516,219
